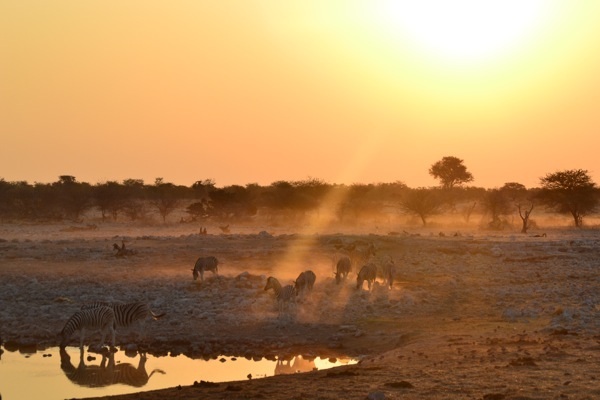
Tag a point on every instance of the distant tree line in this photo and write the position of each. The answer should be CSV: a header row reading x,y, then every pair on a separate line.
x,y
570,192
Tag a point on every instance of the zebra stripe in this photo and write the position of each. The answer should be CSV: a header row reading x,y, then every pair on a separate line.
x,y
342,269
305,282
127,314
209,263
284,295
102,318
367,273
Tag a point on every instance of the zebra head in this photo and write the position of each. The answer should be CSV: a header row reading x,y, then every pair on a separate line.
x,y
62,340
269,284
272,283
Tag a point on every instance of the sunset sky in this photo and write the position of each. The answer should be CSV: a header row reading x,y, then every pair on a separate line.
x,y
259,91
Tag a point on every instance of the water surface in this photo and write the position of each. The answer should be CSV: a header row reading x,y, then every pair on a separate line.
x,y
51,375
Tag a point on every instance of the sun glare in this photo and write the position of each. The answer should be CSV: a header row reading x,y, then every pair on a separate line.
x,y
462,31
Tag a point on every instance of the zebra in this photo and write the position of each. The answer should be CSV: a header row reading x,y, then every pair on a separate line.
x,y
342,269
284,295
127,314
362,255
388,270
367,273
305,282
209,263
101,317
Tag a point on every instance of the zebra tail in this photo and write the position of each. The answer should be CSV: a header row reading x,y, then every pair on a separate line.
x,y
159,371
157,316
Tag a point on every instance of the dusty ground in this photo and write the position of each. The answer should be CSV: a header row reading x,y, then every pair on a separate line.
x,y
477,315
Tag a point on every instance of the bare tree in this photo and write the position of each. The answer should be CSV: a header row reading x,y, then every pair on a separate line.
x,y
524,214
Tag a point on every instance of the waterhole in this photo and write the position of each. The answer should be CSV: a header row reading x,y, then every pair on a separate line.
x,y
56,374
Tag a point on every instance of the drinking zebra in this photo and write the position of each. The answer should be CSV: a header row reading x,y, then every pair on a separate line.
x,y
367,273
127,314
209,263
305,282
102,318
342,269
284,295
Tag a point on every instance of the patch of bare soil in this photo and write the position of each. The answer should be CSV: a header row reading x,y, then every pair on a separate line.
x,y
469,316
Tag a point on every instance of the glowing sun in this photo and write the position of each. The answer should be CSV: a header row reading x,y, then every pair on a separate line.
x,y
463,31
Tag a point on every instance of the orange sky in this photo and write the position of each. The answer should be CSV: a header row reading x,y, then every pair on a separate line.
x,y
259,91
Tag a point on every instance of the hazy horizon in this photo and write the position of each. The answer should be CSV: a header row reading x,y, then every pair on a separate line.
x,y
435,184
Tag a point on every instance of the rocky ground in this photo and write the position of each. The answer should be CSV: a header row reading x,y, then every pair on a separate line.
x,y
470,315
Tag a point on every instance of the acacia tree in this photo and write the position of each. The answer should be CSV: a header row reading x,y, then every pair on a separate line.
x,y
232,201
134,195
451,172
570,192
164,197
109,197
497,203
422,203
75,197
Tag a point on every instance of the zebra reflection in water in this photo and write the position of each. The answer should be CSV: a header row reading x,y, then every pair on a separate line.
x,y
107,372
293,365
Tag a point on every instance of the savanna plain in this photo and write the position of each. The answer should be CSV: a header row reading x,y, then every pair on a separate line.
x,y
471,314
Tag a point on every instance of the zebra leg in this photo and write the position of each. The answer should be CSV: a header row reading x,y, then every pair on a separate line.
x,y
112,329
103,341
142,332
81,337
